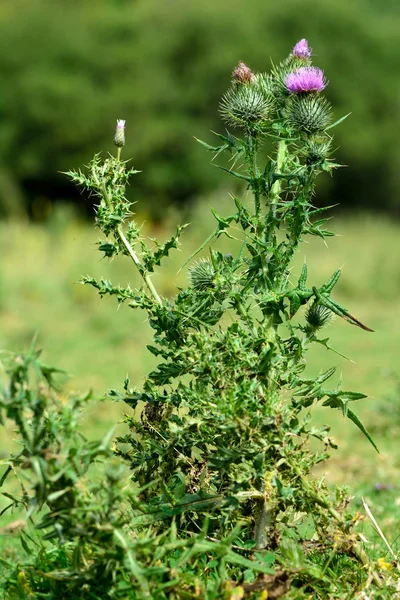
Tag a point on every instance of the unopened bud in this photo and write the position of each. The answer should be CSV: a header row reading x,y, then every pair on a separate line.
x,y
119,139
244,106
317,152
311,113
242,73
202,275
317,316
302,49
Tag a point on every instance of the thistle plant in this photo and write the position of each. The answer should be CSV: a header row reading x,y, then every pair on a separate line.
x,y
221,444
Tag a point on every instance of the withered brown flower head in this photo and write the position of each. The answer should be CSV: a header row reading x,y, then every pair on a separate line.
x,y
242,73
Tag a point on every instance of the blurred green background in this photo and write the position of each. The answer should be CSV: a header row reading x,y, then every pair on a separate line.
x,y
70,68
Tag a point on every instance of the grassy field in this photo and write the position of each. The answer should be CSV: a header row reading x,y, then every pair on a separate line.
x,y
99,344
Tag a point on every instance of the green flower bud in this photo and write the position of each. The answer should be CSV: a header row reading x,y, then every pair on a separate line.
x,y
317,316
317,152
202,275
244,106
119,138
309,112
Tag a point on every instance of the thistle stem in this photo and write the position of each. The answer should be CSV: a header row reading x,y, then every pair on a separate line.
x,y
130,250
277,186
274,194
298,221
252,148
263,521
138,264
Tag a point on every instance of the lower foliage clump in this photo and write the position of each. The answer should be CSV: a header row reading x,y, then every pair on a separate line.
x,y
210,493
88,533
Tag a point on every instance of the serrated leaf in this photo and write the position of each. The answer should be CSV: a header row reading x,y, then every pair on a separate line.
x,y
328,287
326,375
155,351
351,396
336,402
211,148
353,417
317,211
234,173
229,139
303,277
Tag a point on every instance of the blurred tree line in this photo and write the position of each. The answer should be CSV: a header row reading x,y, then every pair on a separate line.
x,y
70,68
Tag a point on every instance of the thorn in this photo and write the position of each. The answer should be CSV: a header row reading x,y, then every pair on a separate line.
x,y
349,318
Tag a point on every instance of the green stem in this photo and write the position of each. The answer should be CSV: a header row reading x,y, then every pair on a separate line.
x,y
253,172
263,517
277,186
129,248
262,525
299,219
274,195
138,264
252,148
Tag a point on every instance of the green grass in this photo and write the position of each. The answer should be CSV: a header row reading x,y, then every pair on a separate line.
x,y
99,344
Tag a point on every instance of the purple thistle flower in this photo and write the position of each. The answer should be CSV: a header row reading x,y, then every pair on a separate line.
x,y
306,79
302,49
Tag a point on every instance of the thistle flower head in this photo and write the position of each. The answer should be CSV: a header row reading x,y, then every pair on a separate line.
x,y
302,49
202,275
119,138
242,73
318,151
317,316
309,113
244,106
305,80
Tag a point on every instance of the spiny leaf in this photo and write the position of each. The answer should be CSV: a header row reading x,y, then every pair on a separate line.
x,y
324,376
234,173
336,123
334,306
216,149
303,277
353,417
348,317
328,287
